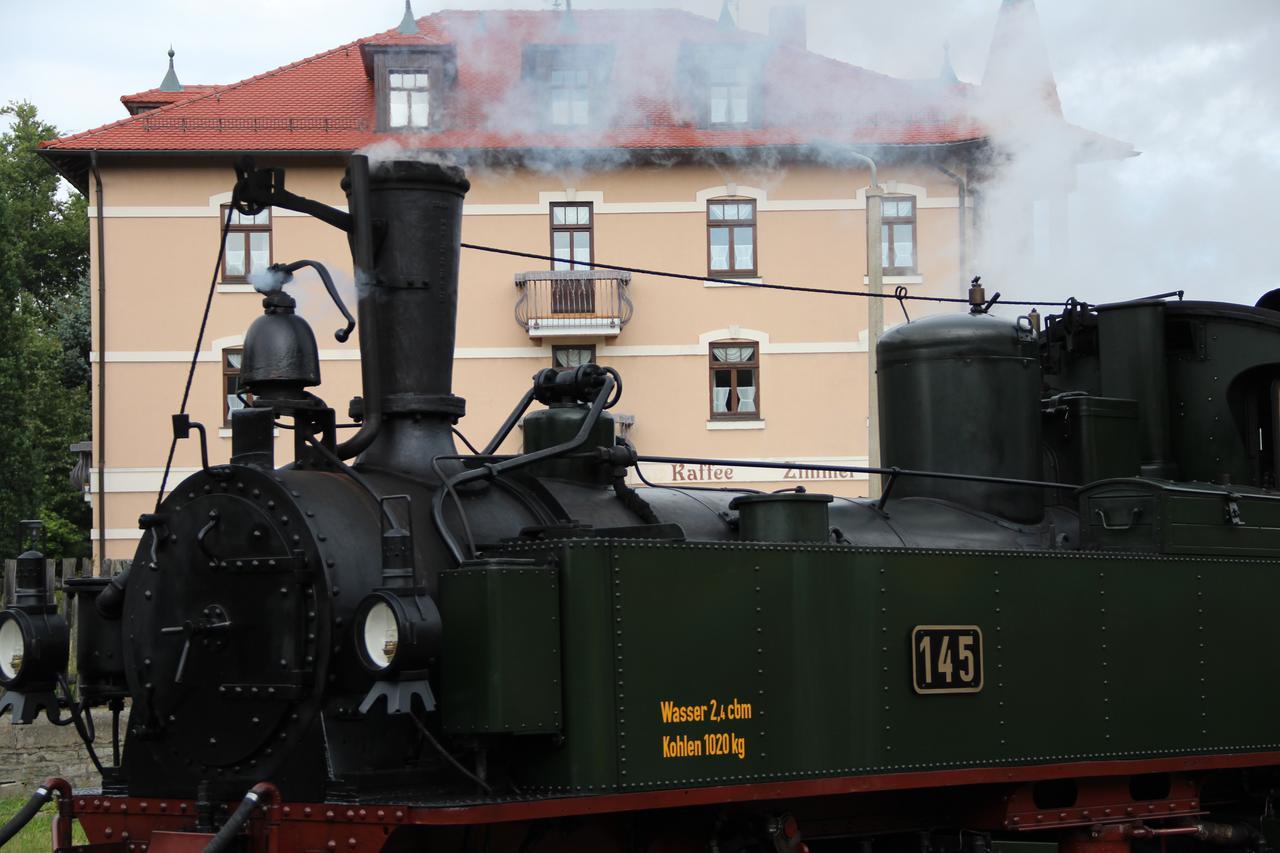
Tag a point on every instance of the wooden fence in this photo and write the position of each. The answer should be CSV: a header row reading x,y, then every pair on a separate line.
x,y
62,570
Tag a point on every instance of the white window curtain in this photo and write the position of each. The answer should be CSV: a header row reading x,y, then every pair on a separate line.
x,y
734,354
746,399
719,399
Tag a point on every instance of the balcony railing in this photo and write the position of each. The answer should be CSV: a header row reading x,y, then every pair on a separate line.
x,y
573,302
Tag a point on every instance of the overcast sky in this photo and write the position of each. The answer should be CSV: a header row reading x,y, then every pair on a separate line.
x,y
1193,84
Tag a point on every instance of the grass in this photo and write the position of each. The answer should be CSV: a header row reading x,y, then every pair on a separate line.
x,y
34,838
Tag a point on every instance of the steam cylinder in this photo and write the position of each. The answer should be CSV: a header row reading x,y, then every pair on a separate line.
x,y
961,394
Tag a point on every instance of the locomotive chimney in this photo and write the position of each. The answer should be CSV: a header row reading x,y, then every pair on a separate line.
x,y
408,302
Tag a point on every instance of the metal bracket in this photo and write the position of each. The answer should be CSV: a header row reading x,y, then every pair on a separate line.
x,y
1233,510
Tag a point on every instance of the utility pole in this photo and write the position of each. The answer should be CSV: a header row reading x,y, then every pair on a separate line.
x,y
875,321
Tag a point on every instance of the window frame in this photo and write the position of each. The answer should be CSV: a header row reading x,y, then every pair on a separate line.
x,y
555,348
242,229
753,365
731,224
744,73
228,371
889,221
590,228
584,90
407,69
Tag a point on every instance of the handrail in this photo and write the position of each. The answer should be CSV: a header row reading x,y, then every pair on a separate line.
x,y
892,473
573,299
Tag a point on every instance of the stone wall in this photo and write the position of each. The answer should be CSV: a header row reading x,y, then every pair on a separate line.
x,y
31,754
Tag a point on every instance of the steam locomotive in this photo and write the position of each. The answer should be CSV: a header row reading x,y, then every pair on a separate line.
x,y
1054,626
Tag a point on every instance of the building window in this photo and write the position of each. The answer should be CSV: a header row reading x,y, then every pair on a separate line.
x,y
735,380
248,245
569,357
731,237
231,359
408,99
570,97
728,91
898,235
571,226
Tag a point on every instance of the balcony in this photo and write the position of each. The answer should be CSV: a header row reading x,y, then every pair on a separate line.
x,y
573,302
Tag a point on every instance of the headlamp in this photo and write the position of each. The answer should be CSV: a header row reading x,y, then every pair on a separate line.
x,y
396,634
33,649
35,641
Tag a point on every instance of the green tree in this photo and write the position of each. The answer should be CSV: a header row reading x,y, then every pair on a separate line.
x,y
44,385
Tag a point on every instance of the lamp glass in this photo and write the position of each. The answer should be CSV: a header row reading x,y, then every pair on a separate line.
x,y
13,646
381,635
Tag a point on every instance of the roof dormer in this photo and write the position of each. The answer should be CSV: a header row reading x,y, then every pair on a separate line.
x,y
411,85
724,84
569,83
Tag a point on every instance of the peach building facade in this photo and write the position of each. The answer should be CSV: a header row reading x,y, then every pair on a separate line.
x,y
162,228
699,180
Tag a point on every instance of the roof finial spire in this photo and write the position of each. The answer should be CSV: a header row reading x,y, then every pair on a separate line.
x,y
170,82
947,74
568,23
726,16
408,24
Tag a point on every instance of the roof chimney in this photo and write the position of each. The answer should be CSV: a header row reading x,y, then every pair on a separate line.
x,y
788,25
170,82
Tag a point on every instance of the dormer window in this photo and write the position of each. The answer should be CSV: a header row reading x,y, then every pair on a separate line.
x,y
566,83
570,97
408,100
729,87
412,85
723,84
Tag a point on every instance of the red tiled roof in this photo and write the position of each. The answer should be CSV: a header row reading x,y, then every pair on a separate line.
x,y
153,98
325,102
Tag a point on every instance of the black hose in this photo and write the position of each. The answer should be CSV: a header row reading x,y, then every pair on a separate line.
x,y
24,815
239,817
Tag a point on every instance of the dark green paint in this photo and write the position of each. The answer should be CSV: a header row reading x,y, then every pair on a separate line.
x,y
501,653
1087,657
783,517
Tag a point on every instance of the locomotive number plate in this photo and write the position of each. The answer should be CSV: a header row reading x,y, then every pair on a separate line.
x,y
946,658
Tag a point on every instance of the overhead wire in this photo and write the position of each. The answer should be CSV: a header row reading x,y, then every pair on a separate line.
x,y
899,294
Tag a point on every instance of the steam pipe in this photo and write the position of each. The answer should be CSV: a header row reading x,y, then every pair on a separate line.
x,y
289,269
875,318
962,190
875,182
100,450
490,470
370,369
509,424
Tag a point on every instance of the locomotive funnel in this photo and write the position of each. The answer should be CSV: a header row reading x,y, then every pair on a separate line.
x,y
408,300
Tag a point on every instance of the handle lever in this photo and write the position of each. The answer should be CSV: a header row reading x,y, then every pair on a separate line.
x,y
1134,515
